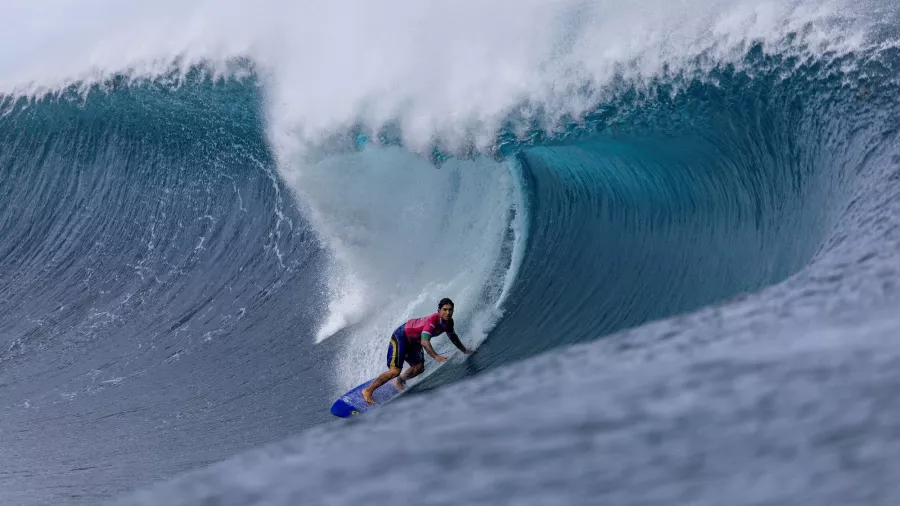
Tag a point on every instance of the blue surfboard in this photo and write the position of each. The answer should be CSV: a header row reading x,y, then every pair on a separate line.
x,y
352,403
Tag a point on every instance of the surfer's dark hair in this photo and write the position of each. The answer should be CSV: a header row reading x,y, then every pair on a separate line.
x,y
444,302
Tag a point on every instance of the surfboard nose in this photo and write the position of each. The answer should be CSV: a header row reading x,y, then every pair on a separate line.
x,y
342,409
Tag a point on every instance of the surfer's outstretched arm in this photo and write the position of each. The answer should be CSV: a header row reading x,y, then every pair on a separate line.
x,y
426,343
456,342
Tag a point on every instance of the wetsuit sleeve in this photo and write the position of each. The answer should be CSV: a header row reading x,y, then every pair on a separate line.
x,y
428,331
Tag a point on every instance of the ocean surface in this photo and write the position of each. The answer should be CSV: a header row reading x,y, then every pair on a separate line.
x,y
671,230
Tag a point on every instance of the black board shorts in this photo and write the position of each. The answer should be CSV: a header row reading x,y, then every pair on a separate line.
x,y
399,350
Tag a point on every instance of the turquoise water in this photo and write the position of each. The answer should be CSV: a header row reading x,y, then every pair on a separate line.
x,y
679,283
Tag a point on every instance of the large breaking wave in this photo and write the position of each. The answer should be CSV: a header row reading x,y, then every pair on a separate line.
x,y
209,222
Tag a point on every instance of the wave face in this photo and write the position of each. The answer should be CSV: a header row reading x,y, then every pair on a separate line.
x,y
207,231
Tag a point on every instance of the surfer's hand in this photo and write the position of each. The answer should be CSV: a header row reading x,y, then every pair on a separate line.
x,y
440,358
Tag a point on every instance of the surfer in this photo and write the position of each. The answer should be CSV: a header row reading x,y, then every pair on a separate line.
x,y
407,344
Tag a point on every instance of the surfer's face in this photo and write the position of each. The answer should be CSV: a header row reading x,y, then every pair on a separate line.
x,y
446,312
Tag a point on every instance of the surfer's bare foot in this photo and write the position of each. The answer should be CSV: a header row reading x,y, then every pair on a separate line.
x,y
367,396
399,384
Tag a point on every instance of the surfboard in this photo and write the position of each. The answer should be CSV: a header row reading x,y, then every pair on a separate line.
x,y
352,403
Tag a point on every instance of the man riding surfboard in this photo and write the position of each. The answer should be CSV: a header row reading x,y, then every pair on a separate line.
x,y
407,344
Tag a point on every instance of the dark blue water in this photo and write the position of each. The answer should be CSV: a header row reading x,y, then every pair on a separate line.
x,y
161,287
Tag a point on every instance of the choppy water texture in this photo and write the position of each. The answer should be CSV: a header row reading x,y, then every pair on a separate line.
x,y
671,230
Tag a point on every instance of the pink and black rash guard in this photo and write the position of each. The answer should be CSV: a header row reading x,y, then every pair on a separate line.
x,y
426,328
